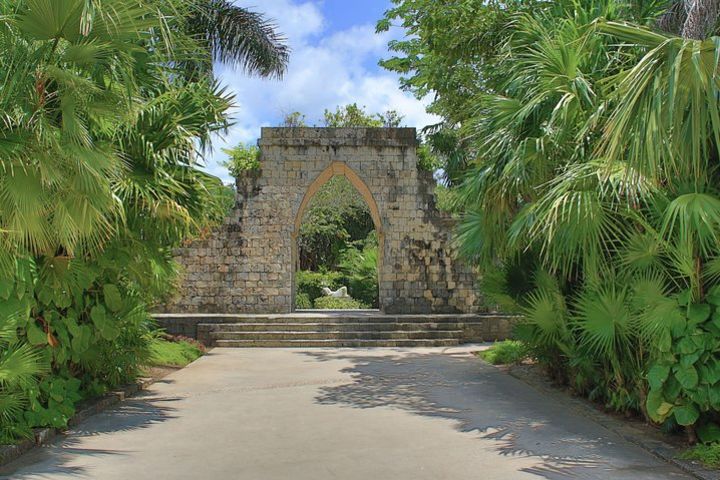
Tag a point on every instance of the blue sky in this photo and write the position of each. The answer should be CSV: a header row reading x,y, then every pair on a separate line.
x,y
334,62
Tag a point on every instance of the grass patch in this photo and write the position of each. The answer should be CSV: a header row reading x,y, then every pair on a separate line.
x,y
173,353
505,353
709,455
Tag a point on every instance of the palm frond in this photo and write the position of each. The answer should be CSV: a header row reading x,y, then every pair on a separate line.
x,y
241,37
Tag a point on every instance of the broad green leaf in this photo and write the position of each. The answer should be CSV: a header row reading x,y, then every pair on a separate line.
x,y
710,372
656,405
713,296
686,346
698,312
35,334
98,315
672,389
709,432
679,325
686,414
110,331
700,396
714,397
7,287
113,299
684,297
687,376
689,360
664,343
657,375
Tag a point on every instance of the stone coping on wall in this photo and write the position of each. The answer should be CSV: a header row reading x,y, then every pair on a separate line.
x,y
359,137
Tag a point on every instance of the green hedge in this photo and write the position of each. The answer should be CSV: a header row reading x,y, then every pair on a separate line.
x,y
310,284
332,303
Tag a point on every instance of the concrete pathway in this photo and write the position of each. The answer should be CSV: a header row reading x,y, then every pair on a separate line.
x,y
340,414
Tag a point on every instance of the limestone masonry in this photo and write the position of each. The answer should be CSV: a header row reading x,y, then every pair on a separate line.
x,y
247,265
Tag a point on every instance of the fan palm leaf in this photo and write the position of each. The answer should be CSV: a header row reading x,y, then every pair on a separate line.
x,y
665,120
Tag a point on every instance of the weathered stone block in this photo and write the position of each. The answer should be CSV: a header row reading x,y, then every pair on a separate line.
x,y
246,266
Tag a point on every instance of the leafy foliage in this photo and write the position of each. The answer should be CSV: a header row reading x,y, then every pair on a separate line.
x,y
337,246
709,455
508,352
357,271
242,159
106,110
336,216
359,266
352,115
302,301
582,147
309,284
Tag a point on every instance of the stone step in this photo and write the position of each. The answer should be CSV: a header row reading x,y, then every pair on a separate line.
x,y
466,327
329,327
332,316
338,335
332,343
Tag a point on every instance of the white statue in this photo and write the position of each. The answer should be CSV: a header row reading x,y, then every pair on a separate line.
x,y
339,293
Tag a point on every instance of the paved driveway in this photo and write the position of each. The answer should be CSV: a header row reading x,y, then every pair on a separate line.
x,y
341,414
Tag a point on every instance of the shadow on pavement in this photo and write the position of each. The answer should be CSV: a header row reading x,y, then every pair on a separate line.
x,y
141,411
493,405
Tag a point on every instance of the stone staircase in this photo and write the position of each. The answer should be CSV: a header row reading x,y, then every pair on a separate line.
x,y
336,329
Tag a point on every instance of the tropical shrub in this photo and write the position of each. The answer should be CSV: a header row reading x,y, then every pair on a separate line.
x,y
359,266
302,301
583,154
508,352
106,109
357,270
242,159
310,284
353,115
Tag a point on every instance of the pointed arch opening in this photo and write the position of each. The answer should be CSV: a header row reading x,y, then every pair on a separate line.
x,y
360,247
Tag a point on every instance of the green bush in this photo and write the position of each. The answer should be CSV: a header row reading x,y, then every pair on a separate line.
x,y
359,265
332,303
311,284
242,159
302,301
427,160
508,352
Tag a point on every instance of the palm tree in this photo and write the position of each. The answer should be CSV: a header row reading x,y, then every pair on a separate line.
x,y
238,36
597,165
694,19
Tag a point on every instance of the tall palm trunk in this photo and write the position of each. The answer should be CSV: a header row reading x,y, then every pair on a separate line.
x,y
692,19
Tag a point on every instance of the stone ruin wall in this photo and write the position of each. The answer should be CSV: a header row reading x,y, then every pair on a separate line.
x,y
247,265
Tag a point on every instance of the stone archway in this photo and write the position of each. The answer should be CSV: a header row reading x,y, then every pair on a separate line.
x,y
247,265
336,169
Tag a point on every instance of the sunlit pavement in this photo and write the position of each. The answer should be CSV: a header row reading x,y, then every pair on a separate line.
x,y
340,414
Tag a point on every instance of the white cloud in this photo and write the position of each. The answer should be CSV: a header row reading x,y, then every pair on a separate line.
x,y
326,70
